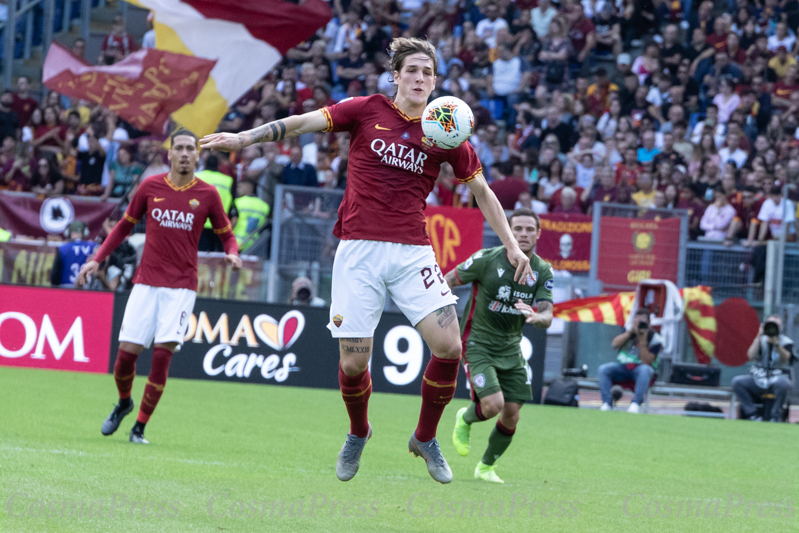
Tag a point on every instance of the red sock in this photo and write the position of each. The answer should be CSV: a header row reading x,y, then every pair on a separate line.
x,y
438,388
505,430
124,372
156,382
355,390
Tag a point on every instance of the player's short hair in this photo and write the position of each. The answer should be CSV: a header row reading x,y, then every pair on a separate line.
x,y
402,47
181,131
525,213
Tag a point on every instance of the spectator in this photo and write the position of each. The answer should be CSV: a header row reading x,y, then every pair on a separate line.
x,y
608,31
353,66
116,272
638,349
726,100
297,172
92,147
582,33
551,183
488,28
148,39
732,152
745,224
554,57
117,44
648,63
647,152
645,196
541,16
568,202
569,179
777,215
9,121
49,135
781,38
124,174
507,188
772,354
603,189
526,201
69,257
718,216
22,103
509,80
79,48
251,214
46,179
781,62
17,172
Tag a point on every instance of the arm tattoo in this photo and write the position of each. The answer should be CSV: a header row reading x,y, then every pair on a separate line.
x,y
271,132
354,341
241,141
543,307
446,316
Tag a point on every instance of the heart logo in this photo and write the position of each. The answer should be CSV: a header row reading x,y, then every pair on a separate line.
x,y
280,335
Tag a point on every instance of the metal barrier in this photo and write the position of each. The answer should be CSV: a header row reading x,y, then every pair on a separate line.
x,y
302,239
727,269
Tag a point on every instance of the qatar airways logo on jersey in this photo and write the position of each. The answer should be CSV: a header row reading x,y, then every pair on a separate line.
x,y
399,155
172,218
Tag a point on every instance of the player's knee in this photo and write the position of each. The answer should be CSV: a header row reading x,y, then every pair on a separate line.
x,y
353,366
492,406
450,350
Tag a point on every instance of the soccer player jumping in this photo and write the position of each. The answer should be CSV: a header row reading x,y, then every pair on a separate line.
x,y
392,168
492,330
177,205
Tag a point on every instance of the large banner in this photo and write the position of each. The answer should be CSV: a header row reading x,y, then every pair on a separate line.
x,y
55,328
272,344
566,241
26,263
26,215
454,233
632,250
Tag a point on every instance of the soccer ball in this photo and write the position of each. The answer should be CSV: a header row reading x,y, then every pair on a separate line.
x,y
447,122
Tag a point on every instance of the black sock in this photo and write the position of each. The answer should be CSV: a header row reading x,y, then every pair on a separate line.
x,y
124,403
138,427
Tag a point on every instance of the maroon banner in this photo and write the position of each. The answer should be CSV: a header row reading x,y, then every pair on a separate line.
x,y
566,241
632,250
55,329
26,215
217,279
455,234
26,263
144,88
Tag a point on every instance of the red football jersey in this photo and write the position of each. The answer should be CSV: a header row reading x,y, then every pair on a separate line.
x,y
390,171
175,219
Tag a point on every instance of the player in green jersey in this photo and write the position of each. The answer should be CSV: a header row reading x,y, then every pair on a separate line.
x,y
492,329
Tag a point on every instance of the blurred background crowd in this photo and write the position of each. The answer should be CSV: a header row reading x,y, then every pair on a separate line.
x,y
660,104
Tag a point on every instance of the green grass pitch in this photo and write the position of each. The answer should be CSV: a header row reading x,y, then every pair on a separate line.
x,y
218,446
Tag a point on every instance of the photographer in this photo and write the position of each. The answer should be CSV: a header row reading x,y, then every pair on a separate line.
x,y
772,354
302,293
638,351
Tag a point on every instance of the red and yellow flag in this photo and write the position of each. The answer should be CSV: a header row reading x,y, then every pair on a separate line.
x,y
613,309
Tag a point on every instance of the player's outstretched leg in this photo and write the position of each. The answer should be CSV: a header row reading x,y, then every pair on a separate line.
x,y
355,390
124,372
156,382
463,426
498,442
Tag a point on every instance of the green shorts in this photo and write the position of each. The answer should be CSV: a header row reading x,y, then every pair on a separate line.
x,y
488,375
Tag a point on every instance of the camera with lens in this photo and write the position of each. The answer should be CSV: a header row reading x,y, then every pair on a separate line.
x,y
771,329
643,325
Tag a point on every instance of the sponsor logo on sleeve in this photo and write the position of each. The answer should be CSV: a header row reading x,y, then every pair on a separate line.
x,y
549,284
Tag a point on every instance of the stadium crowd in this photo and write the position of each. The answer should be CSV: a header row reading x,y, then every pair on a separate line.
x,y
678,104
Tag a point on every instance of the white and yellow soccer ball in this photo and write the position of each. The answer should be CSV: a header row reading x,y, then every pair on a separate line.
x,y
448,122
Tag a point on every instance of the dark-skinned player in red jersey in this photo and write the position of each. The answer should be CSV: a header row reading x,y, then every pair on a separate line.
x,y
176,205
385,247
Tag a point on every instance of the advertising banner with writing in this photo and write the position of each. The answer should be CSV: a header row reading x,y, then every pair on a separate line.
x,y
273,344
56,329
632,250
566,241
454,233
26,263
26,215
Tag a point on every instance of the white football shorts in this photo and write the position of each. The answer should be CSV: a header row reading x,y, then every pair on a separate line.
x,y
157,313
364,270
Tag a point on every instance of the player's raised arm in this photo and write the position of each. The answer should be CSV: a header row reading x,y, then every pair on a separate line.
x,y
272,131
493,213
